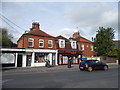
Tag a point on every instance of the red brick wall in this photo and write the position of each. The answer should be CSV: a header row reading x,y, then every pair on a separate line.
x,y
24,43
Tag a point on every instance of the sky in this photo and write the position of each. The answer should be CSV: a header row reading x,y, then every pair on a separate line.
x,y
60,18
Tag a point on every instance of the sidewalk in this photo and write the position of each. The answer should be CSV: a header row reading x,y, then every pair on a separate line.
x,y
41,69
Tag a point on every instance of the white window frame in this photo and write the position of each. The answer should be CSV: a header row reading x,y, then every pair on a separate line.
x,y
83,47
60,44
72,44
41,42
91,47
32,40
51,43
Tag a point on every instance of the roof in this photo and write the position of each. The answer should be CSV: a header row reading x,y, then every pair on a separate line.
x,y
61,37
82,39
38,32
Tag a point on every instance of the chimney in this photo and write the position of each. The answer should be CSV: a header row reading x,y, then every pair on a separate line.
x,y
35,25
76,34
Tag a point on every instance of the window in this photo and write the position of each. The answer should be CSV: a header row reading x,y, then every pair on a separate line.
x,y
41,43
62,43
30,42
49,43
83,47
73,44
91,48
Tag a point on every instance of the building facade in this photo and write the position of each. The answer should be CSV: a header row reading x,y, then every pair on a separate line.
x,y
84,45
67,49
40,46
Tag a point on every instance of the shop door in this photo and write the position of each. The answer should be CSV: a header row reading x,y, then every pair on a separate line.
x,y
28,61
19,61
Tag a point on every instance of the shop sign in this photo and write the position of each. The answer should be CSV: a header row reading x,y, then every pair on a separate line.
x,y
73,52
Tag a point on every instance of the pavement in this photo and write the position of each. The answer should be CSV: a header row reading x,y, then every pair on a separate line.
x,y
41,69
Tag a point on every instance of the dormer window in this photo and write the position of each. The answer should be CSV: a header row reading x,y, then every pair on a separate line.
x,y
62,43
73,44
30,42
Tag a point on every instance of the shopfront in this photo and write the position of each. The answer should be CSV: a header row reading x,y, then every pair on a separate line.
x,y
27,57
40,56
65,55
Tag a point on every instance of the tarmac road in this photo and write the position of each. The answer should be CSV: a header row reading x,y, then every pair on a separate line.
x,y
69,78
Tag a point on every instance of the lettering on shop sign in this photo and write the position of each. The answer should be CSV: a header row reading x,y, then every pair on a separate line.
x,y
74,52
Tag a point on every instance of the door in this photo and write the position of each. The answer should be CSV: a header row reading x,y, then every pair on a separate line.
x,y
53,59
19,61
28,61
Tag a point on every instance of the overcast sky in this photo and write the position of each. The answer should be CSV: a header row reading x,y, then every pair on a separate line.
x,y
60,18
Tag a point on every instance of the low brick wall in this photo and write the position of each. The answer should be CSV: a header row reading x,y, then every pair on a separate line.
x,y
108,59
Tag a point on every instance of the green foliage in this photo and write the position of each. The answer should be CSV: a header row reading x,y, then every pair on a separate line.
x,y
114,52
5,38
103,42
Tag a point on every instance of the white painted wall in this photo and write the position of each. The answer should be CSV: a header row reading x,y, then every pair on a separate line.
x,y
50,58
24,60
94,58
16,56
33,58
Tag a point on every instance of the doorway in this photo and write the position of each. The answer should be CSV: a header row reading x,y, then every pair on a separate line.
x,y
19,61
28,61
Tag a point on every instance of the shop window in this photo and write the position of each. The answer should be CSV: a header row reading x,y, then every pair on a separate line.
x,y
49,43
83,47
30,42
73,44
75,60
41,43
40,57
65,60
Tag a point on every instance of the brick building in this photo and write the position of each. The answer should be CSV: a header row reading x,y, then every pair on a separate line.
x,y
40,46
67,49
84,45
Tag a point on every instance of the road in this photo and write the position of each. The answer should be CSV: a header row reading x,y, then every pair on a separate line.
x,y
62,79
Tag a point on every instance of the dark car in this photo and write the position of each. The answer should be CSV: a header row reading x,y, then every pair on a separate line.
x,y
91,65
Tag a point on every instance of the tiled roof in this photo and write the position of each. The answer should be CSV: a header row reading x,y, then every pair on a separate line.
x,y
38,33
61,37
82,39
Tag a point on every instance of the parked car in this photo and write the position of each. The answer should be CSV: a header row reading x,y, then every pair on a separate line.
x,y
91,65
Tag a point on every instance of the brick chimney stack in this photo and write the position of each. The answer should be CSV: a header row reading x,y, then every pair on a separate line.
x,y
76,34
35,25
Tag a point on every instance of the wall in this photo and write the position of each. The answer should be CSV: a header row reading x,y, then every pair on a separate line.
x,y
36,42
86,52
108,59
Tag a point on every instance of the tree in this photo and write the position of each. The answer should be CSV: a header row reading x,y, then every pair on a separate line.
x,y
103,42
6,38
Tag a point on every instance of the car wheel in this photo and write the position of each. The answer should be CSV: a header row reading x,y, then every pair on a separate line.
x,y
90,69
81,69
105,68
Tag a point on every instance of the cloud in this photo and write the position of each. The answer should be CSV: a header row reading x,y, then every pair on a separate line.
x,y
91,16
66,32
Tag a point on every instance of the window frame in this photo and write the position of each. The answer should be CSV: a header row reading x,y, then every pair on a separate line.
x,y
60,44
73,44
51,44
31,41
42,43
82,47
